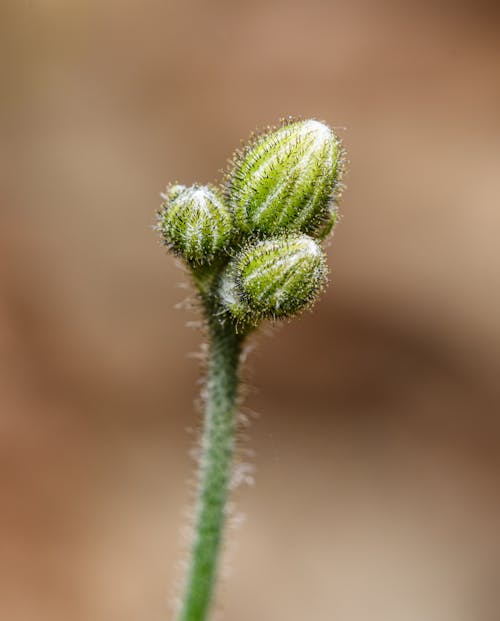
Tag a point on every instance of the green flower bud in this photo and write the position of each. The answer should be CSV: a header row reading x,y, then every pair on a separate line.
x,y
286,179
274,278
195,223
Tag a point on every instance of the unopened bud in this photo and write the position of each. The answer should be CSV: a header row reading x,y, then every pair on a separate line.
x,y
286,180
195,223
274,278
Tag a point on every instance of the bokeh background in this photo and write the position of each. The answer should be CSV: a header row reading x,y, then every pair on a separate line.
x,y
377,439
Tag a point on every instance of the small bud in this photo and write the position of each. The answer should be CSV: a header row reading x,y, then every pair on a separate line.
x,y
329,223
195,223
274,278
286,180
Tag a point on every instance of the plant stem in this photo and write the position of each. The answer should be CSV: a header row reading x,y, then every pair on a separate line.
x,y
214,469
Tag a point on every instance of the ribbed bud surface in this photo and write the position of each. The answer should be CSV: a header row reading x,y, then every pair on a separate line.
x,y
232,300
195,223
274,278
286,180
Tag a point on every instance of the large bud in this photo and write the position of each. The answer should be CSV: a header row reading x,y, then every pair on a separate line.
x,y
195,223
273,278
286,180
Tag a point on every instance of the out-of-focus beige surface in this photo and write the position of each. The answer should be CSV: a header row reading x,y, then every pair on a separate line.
x,y
377,442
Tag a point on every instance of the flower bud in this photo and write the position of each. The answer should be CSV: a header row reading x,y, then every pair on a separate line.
x,y
286,179
274,278
195,223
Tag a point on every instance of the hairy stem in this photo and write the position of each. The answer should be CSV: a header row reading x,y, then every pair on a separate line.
x,y
215,469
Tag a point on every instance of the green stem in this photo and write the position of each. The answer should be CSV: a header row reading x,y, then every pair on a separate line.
x,y
215,469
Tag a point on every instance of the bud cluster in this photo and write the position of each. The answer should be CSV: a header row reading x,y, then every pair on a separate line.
x,y
259,238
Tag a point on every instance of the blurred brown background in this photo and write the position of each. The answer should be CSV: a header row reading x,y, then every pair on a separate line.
x,y
377,445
